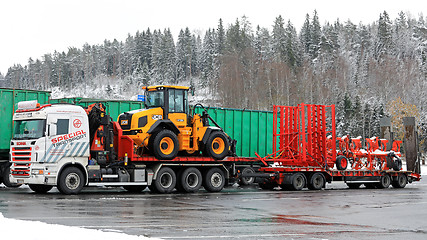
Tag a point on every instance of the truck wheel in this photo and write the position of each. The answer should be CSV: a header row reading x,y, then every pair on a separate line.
x,y
317,181
297,181
40,188
165,181
190,180
165,145
384,182
354,185
6,180
341,162
135,188
245,181
400,181
71,181
217,145
214,180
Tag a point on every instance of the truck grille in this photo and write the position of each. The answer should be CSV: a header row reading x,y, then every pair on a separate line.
x,y
21,158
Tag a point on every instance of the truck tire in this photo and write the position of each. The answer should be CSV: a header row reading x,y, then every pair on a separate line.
x,y
6,180
189,180
316,182
400,182
217,145
214,180
245,181
165,145
341,162
40,188
384,182
165,181
71,181
298,181
135,188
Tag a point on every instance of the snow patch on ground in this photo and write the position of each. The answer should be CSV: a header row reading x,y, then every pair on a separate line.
x,y
34,230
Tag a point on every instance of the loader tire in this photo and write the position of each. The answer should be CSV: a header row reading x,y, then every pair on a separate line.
x,y
397,165
217,145
165,145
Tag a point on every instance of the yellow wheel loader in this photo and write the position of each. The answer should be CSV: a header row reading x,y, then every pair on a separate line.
x,y
166,127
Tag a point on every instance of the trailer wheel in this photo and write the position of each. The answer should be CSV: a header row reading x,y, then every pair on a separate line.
x,y
189,180
135,188
298,181
354,185
71,181
165,181
400,182
384,182
317,181
341,162
245,181
165,145
214,180
6,179
217,145
40,188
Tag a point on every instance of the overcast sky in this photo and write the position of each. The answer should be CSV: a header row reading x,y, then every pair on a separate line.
x,y
31,28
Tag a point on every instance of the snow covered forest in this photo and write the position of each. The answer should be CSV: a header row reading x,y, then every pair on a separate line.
x,y
368,71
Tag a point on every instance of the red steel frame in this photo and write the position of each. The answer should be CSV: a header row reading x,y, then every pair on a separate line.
x,y
303,136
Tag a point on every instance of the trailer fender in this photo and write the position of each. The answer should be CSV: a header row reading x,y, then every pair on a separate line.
x,y
208,132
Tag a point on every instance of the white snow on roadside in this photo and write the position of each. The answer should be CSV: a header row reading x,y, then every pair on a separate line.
x,y
33,230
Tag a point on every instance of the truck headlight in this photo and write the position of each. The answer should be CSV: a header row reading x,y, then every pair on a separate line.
x,y
37,172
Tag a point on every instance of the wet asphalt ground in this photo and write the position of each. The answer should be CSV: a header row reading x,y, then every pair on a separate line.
x,y
235,213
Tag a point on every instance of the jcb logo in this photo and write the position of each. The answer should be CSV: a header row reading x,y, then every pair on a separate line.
x,y
124,122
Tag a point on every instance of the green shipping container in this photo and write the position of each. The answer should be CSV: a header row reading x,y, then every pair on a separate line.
x,y
9,99
114,107
252,129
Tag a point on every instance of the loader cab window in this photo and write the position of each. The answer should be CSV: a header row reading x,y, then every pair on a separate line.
x,y
176,100
154,99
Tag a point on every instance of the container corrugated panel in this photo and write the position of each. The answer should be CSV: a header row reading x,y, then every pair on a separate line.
x,y
252,129
114,107
9,99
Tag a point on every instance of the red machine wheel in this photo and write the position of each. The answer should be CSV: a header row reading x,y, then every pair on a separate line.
x,y
341,162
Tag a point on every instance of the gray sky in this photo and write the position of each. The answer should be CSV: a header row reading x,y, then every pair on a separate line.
x,y
31,28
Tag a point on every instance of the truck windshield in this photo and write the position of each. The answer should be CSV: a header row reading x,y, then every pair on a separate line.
x,y
29,129
154,99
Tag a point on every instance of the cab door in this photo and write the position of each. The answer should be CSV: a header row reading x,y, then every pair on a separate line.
x,y
58,125
177,107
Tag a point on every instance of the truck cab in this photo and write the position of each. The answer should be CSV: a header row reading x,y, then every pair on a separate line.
x,y
45,140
